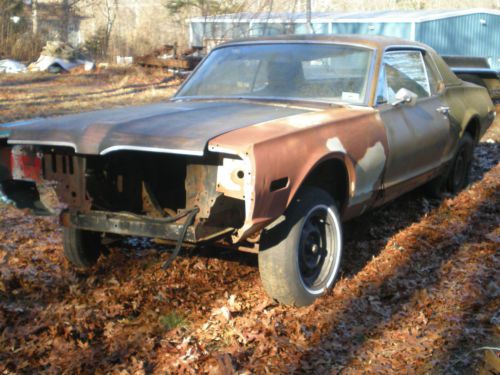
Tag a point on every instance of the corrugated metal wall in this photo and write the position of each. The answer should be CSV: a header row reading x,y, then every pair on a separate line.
x,y
319,28
397,29
469,35
475,34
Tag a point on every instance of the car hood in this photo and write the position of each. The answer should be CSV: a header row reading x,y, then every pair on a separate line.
x,y
170,127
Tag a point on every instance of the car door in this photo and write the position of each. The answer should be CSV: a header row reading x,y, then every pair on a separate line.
x,y
417,133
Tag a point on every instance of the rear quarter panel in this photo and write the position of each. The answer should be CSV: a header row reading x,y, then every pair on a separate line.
x,y
469,102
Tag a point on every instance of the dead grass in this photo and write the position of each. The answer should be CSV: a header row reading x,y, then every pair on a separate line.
x,y
41,95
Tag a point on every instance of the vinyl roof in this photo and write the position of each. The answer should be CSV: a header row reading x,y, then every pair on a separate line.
x,y
377,16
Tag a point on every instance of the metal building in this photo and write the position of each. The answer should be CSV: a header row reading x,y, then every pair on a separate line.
x,y
470,32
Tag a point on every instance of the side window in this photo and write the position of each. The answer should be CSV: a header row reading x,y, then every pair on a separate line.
x,y
404,69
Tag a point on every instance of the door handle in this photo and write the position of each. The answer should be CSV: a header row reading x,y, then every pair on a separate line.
x,y
444,110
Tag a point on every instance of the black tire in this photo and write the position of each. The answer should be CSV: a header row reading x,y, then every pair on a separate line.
x,y
81,247
299,258
459,174
437,186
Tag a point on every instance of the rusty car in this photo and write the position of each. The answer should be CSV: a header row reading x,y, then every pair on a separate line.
x,y
268,147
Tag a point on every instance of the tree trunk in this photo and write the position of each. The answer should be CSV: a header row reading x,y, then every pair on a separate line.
x,y
308,16
66,14
110,12
34,16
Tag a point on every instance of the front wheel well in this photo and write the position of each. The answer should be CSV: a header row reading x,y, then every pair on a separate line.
x,y
332,176
473,128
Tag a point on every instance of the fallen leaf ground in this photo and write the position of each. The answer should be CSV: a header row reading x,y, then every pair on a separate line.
x,y
419,291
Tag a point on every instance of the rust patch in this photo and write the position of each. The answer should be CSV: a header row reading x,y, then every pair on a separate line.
x,y
200,188
68,171
294,146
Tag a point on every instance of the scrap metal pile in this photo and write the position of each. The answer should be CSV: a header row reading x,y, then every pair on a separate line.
x,y
168,57
56,57
59,57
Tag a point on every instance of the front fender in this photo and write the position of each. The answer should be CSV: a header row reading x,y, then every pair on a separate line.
x,y
289,149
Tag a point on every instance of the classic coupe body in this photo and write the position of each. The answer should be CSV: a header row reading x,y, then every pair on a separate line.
x,y
267,147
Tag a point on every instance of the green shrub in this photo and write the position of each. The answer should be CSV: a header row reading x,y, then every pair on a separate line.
x,y
172,320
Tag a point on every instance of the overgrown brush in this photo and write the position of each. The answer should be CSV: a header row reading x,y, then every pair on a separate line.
x,y
24,47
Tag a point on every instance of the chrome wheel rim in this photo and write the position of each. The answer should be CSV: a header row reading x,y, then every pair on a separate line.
x,y
319,249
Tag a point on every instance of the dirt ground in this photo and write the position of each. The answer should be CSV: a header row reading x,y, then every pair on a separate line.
x,y
419,290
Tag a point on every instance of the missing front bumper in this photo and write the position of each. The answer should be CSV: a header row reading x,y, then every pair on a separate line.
x,y
128,224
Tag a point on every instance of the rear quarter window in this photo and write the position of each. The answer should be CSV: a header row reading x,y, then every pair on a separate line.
x,y
448,76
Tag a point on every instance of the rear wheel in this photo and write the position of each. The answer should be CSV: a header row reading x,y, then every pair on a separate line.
x,y
460,168
81,247
457,175
299,258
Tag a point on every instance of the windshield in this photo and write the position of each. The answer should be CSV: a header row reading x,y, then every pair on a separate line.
x,y
324,72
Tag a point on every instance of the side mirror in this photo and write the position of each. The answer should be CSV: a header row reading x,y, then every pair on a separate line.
x,y
405,96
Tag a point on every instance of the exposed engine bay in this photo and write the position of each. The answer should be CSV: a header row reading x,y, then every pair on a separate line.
x,y
127,192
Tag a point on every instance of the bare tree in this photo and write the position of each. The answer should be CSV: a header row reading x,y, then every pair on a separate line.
x,y
110,10
8,9
34,16
16,39
206,7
